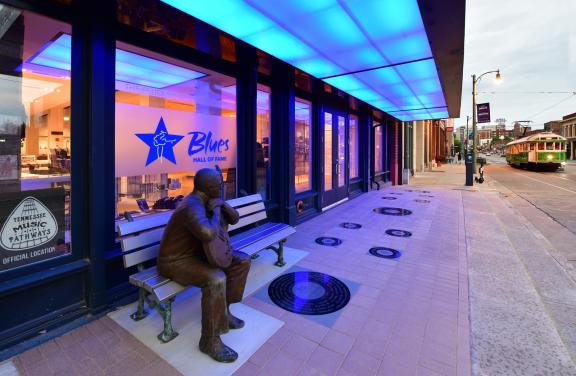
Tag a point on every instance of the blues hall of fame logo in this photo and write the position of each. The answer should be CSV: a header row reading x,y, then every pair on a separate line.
x,y
161,143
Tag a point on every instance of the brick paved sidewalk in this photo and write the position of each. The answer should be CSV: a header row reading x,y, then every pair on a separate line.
x,y
409,316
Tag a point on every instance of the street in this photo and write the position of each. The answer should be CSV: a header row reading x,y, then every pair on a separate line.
x,y
554,193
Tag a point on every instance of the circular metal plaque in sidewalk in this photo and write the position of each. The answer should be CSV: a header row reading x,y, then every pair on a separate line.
x,y
392,211
399,233
328,241
385,252
350,225
309,293
389,198
422,201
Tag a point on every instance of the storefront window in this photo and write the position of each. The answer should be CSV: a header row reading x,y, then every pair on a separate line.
x,y
378,167
172,119
34,138
263,142
327,151
158,18
303,146
354,137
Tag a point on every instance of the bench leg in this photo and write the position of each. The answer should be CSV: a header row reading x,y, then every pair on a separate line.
x,y
280,252
168,334
141,312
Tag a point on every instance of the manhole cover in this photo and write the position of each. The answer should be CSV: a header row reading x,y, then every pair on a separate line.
x,y
309,293
352,226
385,252
389,198
422,201
329,241
399,233
392,211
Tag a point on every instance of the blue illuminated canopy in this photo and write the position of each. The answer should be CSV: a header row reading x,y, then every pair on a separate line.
x,y
130,67
375,50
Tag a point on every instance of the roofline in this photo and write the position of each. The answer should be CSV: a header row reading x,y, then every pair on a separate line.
x,y
444,21
525,139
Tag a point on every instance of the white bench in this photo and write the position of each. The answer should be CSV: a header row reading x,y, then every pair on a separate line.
x,y
140,241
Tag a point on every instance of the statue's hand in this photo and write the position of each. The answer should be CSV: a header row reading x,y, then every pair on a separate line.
x,y
215,203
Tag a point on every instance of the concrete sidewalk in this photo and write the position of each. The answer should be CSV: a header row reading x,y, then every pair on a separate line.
x,y
521,295
465,297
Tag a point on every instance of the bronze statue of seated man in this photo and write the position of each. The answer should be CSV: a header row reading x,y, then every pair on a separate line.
x,y
195,250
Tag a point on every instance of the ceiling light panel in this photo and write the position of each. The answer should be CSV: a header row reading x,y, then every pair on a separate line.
x,y
130,67
327,38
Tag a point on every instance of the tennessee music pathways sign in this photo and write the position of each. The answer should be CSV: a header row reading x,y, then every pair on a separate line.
x,y
32,227
158,141
483,112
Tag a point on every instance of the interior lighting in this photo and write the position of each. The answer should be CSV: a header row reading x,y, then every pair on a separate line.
x,y
130,67
375,50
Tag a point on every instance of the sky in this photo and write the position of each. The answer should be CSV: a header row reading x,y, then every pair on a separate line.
x,y
533,43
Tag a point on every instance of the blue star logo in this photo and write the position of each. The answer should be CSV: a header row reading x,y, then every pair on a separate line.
x,y
161,143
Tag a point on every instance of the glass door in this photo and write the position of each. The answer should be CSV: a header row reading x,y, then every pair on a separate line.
x,y
335,157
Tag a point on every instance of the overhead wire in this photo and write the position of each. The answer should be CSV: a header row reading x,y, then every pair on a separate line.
x,y
527,92
572,95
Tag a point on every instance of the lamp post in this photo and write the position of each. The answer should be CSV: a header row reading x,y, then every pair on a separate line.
x,y
474,82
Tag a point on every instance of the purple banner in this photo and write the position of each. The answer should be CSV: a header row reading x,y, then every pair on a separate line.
x,y
483,112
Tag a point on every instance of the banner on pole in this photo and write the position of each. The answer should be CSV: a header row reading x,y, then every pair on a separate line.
x,y
483,112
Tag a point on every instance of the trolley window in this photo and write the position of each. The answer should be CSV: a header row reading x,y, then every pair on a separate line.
x,y
550,146
541,146
532,146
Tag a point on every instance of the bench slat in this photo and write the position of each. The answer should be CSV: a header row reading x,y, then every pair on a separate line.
x,y
155,282
246,210
135,258
168,291
144,223
242,240
240,201
248,220
268,241
142,240
249,232
138,278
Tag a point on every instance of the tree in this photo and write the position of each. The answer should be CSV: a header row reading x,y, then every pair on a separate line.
x,y
458,146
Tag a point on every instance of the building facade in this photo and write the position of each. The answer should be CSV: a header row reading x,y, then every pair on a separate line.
x,y
109,108
568,130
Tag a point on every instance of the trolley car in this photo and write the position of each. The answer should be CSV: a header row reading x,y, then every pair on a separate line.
x,y
542,151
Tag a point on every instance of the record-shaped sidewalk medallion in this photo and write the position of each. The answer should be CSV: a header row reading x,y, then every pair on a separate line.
x,y
385,252
328,241
399,233
422,201
309,293
350,225
389,198
395,193
392,211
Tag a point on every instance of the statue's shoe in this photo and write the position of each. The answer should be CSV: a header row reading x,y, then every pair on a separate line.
x,y
217,350
234,322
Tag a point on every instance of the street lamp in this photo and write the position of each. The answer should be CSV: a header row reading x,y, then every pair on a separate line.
x,y
474,82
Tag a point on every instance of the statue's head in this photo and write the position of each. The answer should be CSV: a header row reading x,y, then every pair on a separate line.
x,y
208,181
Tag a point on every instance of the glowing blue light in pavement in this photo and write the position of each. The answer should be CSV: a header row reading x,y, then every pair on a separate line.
x,y
130,67
376,50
